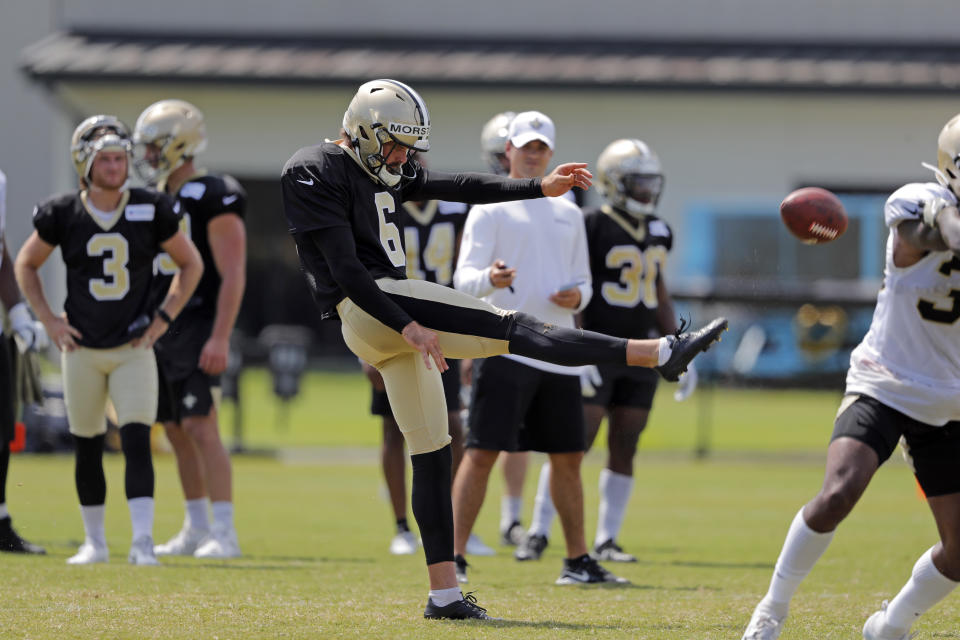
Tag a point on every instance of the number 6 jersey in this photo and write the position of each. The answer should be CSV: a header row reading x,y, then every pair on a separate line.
x,y
910,357
109,262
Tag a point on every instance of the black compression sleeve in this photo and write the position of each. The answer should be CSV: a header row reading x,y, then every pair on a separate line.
x,y
474,188
339,250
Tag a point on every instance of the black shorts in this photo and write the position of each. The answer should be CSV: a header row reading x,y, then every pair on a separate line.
x,y
8,388
380,405
625,386
194,395
934,450
518,408
178,350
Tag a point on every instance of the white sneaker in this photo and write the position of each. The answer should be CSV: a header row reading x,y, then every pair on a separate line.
x,y
141,552
219,544
182,544
876,627
403,544
476,547
764,625
89,553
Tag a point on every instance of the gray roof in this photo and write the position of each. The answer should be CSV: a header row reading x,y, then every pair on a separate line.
x,y
665,65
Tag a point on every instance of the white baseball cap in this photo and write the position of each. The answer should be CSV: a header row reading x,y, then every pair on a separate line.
x,y
531,125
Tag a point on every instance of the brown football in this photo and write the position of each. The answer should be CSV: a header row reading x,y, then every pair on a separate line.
x,y
814,215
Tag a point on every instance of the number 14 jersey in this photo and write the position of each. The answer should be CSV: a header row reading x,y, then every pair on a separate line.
x,y
109,262
910,357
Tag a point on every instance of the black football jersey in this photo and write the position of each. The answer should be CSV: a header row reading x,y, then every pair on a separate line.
x,y
199,200
109,264
430,232
627,257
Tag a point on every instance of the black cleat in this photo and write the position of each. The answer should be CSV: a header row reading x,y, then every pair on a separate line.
x,y
686,346
585,570
461,567
513,535
466,609
610,551
531,548
13,543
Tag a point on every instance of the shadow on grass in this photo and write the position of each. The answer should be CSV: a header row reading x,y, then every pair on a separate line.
x,y
261,563
531,624
723,565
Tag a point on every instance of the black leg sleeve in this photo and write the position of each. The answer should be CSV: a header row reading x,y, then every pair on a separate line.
x,y
91,484
571,347
4,465
138,475
432,505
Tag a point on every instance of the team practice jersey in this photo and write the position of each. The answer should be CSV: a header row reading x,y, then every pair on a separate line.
x,y
627,258
328,194
109,263
199,200
910,357
430,233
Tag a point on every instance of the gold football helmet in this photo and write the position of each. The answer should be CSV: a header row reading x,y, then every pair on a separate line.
x,y
630,177
948,155
166,134
493,142
95,134
385,111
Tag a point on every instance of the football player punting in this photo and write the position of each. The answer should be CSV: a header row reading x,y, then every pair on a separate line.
x,y
628,247
903,385
341,202
109,236
193,353
29,335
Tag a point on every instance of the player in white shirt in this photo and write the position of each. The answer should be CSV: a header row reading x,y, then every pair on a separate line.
x,y
903,385
530,256
29,335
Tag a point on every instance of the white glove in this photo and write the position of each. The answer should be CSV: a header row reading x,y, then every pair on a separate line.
x,y
30,333
687,384
932,209
589,380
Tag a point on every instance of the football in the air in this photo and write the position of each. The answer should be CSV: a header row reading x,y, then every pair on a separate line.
x,y
814,215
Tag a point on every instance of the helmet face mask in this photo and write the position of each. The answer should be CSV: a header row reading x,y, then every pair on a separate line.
x,y
384,112
493,142
630,177
166,135
948,155
96,134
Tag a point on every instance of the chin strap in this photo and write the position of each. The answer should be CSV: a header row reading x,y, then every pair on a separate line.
x,y
942,179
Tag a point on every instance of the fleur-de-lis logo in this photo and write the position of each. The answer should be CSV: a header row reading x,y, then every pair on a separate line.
x,y
536,123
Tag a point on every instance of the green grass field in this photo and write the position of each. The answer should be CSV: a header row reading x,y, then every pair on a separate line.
x,y
315,527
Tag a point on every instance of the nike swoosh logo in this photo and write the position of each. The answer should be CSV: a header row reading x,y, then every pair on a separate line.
x,y
582,576
230,199
309,182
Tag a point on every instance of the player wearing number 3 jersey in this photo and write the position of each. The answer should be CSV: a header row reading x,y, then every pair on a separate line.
x,y
108,236
903,386
342,202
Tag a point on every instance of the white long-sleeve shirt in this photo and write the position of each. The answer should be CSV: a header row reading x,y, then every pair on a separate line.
x,y
545,241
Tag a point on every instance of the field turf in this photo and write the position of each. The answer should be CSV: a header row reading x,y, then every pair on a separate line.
x,y
314,525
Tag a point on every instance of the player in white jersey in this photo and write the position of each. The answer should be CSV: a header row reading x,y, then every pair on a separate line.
x,y
903,385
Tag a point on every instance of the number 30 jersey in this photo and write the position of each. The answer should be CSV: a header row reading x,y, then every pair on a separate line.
x,y
109,262
910,357
627,257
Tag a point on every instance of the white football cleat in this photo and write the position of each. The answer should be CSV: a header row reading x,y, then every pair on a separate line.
x,y
141,552
221,543
184,543
876,627
89,553
404,544
764,624
477,547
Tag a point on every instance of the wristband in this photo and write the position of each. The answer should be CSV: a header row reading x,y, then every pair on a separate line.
x,y
163,315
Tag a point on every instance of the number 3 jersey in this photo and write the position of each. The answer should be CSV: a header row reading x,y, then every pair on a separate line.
x,y
910,357
109,262
627,257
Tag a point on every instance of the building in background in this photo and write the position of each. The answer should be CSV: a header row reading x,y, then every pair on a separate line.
x,y
744,99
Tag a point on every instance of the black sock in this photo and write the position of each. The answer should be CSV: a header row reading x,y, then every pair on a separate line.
x,y
138,473
91,484
4,465
402,526
432,505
